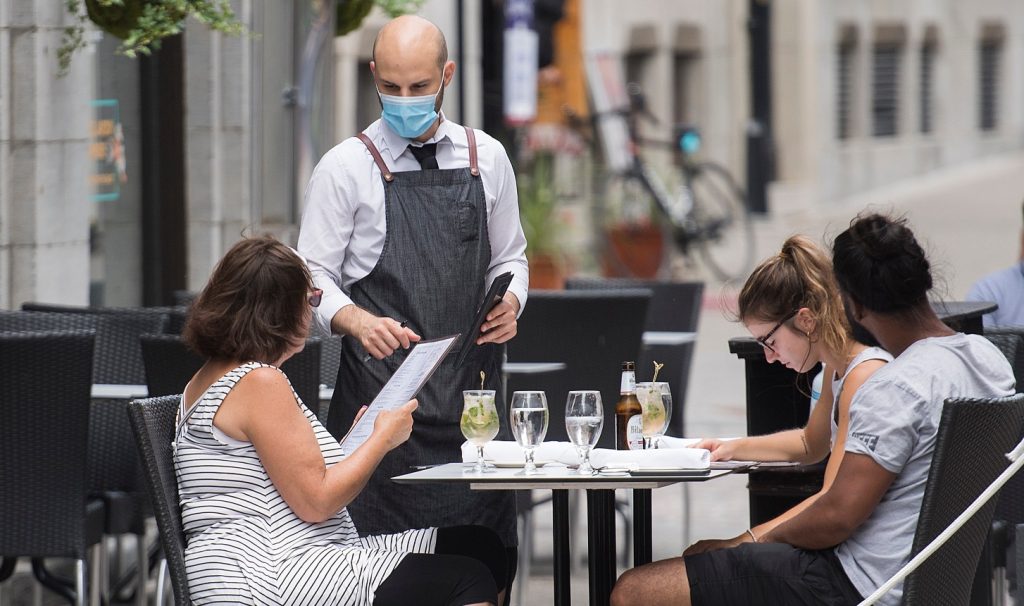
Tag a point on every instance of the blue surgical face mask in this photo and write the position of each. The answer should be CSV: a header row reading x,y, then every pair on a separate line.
x,y
410,117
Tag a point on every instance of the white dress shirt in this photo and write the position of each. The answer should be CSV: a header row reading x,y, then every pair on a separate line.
x,y
344,223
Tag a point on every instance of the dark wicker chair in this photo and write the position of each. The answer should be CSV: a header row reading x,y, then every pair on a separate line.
x,y
44,423
674,307
1009,515
153,423
974,436
114,473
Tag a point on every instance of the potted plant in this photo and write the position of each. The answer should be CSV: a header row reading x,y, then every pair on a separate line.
x,y
142,24
537,204
634,240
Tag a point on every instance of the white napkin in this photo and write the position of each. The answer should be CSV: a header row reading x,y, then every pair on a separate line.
x,y
505,451
667,458
670,442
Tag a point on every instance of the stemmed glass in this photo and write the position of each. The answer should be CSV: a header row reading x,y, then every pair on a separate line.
x,y
656,410
528,414
584,419
479,422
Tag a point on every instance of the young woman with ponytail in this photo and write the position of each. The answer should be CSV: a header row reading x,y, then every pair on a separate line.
x,y
791,305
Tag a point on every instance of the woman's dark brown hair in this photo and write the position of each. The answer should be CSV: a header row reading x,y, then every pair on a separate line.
x,y
253,306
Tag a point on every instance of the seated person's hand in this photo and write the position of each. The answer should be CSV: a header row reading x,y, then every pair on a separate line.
x,y
721,450
500,325
394,426
713,544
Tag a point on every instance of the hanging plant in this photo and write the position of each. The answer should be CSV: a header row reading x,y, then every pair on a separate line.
x,y
142,24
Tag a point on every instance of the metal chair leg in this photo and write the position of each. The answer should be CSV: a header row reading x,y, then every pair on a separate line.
x,y
161,582
81,584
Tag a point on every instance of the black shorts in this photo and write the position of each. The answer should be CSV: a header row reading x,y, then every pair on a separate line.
x,y
758,574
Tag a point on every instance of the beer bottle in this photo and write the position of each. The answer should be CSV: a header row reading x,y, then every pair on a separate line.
x,y
628,419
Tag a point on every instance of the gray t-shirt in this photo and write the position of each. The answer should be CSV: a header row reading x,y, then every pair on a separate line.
x,y
1005,287
894,417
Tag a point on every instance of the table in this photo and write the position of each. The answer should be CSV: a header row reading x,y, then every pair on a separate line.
x,y
600,513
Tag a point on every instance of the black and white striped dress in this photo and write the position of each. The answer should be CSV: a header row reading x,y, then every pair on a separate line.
x,y
246,546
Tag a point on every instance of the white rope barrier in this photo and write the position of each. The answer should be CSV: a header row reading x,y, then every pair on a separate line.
x,y
939,541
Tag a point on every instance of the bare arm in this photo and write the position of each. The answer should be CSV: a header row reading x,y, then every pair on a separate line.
x,y
262,409
859,486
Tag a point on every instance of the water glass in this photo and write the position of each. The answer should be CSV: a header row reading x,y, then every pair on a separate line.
x,y
528,414
656,410
479,422
584,419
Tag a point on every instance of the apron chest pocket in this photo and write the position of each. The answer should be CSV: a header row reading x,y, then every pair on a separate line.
x,y
469,220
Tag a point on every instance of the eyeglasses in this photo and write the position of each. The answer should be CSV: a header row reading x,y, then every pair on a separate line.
x,y
315,297
764,340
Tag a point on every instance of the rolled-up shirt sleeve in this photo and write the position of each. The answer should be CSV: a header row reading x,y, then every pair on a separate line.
x,y
325,235
508,243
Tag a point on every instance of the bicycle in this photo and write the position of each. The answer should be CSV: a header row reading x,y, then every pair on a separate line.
x,y
709,210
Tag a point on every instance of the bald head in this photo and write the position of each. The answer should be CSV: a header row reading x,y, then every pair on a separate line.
x,y
410,34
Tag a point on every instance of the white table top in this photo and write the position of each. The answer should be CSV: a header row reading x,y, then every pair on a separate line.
x,y
531,368
551,477
109,391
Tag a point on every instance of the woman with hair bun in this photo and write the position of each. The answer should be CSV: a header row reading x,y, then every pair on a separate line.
x,y
791,305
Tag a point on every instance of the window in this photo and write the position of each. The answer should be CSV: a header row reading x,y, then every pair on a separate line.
x,y
885,83
845,55
989,56
927,65
684,77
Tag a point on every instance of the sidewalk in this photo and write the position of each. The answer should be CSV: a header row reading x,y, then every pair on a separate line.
x,y
969,221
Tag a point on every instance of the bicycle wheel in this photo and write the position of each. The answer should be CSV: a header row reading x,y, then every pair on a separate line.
x,y
721,224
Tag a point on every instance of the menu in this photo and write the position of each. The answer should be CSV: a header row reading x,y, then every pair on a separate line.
x,y
421,362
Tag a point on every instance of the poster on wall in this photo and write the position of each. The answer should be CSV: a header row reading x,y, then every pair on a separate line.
x,y
106,150
520,69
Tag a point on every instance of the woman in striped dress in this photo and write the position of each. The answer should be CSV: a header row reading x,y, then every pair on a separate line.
x,y
264,486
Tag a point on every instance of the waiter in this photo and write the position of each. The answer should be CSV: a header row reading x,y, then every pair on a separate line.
x,y
404,228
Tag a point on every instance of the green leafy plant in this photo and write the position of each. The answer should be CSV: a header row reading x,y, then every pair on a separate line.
x,y
537,203
142,24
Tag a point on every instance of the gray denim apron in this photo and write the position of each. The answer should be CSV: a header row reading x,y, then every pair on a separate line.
x,y
430,275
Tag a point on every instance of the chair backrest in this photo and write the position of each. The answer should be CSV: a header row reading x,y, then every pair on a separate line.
x,y
674,307
169,365
973,438
330,358
153,423
44,424
1010,507
592,332
118,358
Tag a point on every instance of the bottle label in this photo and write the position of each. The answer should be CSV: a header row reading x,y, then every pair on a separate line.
x,y
628,383
634,432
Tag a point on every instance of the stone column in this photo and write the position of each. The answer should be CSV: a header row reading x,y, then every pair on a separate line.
x,y
44,159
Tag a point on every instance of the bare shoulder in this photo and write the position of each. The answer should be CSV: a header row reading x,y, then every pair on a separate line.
x,y
264,386
865,369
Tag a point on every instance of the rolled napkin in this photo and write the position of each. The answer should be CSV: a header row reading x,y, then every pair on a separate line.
x,y
662,458
670,442
505,451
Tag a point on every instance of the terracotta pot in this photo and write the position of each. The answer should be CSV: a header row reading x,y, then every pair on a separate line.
x,y
546,272
633,251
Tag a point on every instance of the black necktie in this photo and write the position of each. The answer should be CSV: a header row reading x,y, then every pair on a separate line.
x,y
426,155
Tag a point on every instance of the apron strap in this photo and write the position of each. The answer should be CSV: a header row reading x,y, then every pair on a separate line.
x,y
384,170
474,169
